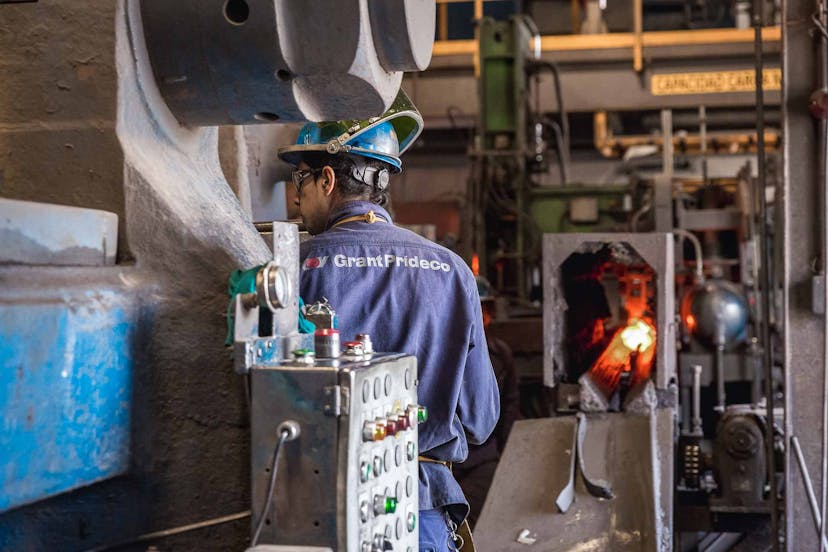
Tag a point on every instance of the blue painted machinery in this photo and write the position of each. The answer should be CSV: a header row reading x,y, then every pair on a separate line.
x,y
67,350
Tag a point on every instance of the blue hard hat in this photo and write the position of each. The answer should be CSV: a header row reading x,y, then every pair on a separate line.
x,y
378,142
384,138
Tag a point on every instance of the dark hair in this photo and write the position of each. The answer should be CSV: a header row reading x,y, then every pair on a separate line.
x,y
349,187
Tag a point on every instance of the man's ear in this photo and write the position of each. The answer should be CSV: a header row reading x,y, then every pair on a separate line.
x,y
328,180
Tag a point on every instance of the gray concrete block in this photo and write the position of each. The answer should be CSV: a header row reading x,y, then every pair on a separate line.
x,y
45,234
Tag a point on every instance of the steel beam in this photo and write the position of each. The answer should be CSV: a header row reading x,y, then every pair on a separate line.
x,y
803,330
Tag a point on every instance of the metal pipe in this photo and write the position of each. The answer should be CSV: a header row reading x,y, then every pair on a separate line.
x,y
767,290
755,355
667,141
721,397
820,19
536,36
809,487
703,139
638,31
686,412
648,205
697,421
697,247
824,169
170,532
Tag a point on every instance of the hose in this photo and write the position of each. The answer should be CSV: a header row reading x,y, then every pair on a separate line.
x,y
563,158
552,67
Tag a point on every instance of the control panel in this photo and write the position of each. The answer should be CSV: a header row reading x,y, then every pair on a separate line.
x,y
349,480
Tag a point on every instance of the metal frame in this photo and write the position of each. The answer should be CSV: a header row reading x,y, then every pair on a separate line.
x,y
656,249
319,492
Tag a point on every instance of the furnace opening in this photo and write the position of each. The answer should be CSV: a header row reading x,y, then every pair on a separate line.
x,y
610,317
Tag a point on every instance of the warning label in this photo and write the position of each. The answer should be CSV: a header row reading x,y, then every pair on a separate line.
x,y
713,82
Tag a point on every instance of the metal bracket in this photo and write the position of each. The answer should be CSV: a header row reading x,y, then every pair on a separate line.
x,y
597,487
337,400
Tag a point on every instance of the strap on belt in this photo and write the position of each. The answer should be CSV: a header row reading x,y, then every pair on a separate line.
x,y
463,531
428,460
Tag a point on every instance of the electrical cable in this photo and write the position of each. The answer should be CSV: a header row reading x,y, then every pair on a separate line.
x,y
563,159
500,198
271,487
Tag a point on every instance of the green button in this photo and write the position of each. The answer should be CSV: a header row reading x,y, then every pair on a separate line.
x,y
390,505
422,414
302,353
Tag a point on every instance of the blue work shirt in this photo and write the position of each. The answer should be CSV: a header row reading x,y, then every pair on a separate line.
x,y
416,297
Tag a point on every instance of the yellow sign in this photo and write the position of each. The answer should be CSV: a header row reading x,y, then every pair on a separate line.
x,y
713,82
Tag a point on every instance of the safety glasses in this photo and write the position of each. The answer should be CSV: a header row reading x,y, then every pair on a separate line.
x,y
300,176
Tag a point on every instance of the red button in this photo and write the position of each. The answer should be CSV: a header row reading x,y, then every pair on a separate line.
x,y
402,422
390,427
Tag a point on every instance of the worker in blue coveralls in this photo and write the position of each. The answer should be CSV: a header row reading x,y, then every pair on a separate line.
x,y
410,294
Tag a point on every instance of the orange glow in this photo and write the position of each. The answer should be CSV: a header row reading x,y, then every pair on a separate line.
x,y
638,335
475,265
631,349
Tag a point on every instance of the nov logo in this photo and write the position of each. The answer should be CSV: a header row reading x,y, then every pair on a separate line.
x,y
314,262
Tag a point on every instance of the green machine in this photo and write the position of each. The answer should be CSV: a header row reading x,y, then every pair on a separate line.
x,y
508,209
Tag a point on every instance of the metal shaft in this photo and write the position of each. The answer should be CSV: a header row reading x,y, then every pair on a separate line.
x,y
809,487
822,58
824,460
767,289
721,396
667,142
697,421
703,140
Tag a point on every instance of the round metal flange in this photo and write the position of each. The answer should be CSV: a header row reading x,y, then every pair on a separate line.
x,y
273,288
411,20
244,62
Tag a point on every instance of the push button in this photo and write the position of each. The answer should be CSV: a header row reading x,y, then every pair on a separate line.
x,y
364,471
410,450
384,505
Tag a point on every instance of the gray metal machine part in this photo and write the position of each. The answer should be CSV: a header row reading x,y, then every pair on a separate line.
x,y
242,62
627,455
349,481
638,518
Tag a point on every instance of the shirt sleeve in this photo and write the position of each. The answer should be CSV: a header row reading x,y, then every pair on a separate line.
x,y
479,403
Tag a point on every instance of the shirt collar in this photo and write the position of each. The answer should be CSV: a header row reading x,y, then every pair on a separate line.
x,y
355,208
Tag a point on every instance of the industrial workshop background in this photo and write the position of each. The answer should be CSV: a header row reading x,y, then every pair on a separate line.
x,y
639,186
